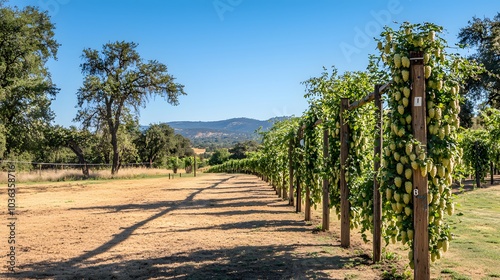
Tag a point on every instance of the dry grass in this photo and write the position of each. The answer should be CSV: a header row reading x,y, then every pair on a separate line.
x,y
55,175
199,151
216,226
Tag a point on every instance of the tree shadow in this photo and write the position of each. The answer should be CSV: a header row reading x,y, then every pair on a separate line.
x,y
247,183
253,225
186,204
237,212
254,191
469,185
128,231
241,262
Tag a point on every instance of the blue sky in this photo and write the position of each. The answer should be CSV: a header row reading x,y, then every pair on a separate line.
x,y
236,58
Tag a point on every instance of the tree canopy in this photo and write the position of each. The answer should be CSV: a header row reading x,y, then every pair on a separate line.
x,y
484,35
156,142
219,156
240,150
26,44
117,84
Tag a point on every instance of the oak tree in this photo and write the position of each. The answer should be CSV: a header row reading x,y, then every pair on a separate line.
x,y
26,90
118,82
484,35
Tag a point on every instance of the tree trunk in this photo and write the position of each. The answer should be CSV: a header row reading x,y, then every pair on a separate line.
x,y
116,155
79,153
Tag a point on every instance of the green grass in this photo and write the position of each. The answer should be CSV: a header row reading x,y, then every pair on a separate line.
x,y
476,243
393,274
454,275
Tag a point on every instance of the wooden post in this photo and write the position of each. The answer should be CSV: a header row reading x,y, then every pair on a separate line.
x,y
307,204
345,229
326,191
478,175
307,210
491,172
194,168
420,183
377,203
299,191
283,189
298,204
290,171
278,188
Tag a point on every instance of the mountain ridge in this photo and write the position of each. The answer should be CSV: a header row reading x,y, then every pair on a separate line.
x,y
221,133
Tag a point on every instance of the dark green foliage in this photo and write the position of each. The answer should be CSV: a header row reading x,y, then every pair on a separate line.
x,y
159,142
466,113
219,157
26,90
117,84
156,142
484,34
476,151
240,150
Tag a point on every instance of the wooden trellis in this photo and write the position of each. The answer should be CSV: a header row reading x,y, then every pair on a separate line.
x,y
420,184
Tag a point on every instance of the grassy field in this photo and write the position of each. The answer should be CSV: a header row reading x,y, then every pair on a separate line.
x,y
475,251
55,175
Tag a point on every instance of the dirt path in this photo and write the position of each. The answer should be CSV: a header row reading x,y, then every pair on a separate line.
x,y
216,226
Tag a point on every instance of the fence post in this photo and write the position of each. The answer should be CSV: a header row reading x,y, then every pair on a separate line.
x,y
299,191
491,173
377,204
326,191
307,210
278,188
478,175
290,170
194,168
307,204
420,183
345,229
283,189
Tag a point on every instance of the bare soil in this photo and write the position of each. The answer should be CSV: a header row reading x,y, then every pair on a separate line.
x,y
215,226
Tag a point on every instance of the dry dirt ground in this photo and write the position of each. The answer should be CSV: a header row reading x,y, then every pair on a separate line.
x,y
215,226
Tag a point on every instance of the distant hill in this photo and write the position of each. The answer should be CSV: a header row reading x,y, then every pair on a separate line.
x,y
224,133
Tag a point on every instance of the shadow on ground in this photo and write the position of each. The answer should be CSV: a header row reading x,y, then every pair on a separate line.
x,y
245,262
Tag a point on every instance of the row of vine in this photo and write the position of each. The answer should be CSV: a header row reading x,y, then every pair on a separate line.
x,y
402,153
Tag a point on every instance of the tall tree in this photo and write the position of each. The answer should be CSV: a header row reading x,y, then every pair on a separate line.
x,y
466,114
26,90
182,147
156,142
240,150
484,35
58,136
219,156
117,83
